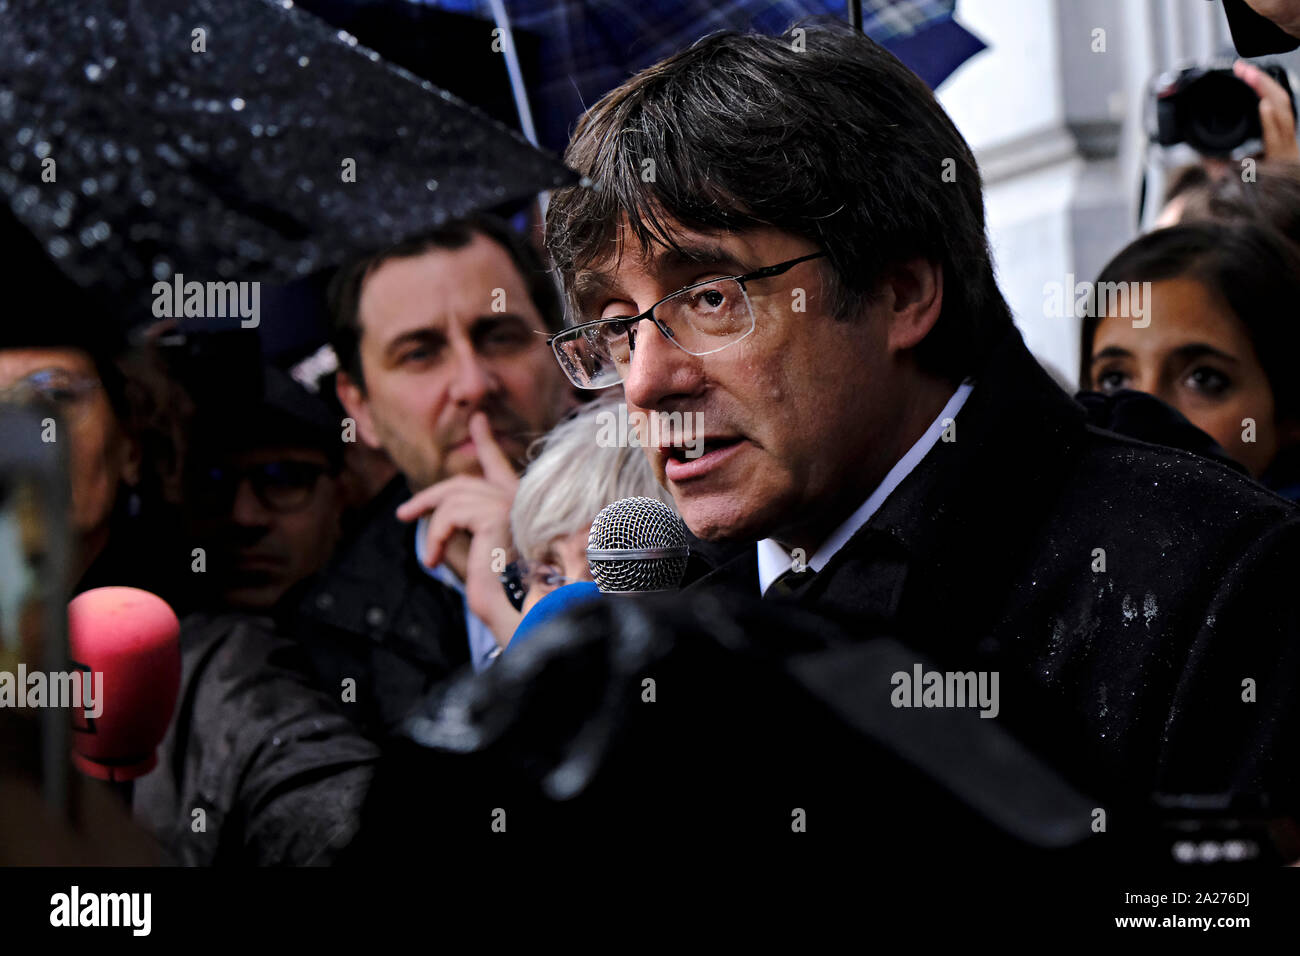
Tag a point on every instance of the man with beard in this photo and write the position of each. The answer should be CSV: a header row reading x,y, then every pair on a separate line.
x,y
443,365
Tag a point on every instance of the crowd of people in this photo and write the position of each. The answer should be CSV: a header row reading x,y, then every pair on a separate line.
x,y
885,454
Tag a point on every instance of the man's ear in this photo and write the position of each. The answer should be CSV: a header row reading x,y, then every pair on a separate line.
x,y
913,298
353,397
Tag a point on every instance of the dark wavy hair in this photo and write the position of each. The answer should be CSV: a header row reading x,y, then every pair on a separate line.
x,y
826,136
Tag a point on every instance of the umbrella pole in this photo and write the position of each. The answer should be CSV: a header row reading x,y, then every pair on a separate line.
x,y
855,14
517,89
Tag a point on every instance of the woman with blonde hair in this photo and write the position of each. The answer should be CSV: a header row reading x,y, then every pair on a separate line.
x,y
576,469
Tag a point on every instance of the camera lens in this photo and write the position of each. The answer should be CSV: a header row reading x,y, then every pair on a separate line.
x,y
1222,113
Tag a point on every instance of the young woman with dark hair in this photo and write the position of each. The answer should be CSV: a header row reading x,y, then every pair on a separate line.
x,y
1211,330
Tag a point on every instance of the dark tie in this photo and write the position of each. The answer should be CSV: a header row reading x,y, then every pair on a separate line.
x,y
790,585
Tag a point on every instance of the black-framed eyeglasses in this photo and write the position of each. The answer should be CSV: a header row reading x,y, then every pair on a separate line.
x,y
701,319
279,486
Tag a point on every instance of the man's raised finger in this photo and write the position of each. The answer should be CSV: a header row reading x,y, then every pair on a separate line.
x,y
495,463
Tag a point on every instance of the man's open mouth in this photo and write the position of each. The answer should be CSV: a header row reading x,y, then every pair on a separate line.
x,y
693,448
698,458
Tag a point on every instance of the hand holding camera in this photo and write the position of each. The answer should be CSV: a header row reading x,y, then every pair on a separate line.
x,y
1276,112
1218,110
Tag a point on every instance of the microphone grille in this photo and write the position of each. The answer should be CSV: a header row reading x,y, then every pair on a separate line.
x,y
637,544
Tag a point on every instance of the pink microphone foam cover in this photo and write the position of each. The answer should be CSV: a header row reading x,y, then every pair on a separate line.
x,y
133,638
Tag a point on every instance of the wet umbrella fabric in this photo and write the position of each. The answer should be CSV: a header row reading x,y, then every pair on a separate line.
x,y
230,140
588,47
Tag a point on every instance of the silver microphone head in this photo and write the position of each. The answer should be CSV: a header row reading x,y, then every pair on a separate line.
x,y
637,544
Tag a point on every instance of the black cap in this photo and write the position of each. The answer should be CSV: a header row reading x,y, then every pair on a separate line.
x,y
281,412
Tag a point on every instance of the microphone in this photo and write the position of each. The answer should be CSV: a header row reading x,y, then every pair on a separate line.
x,y
637,545
132,638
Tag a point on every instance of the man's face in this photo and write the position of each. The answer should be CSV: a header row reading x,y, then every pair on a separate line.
x,y
445,334
274,520
799,418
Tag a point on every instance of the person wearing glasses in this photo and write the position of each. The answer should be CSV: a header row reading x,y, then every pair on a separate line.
x,y
571,476
271,759
266,493
809,271
277,771
107,403
104,460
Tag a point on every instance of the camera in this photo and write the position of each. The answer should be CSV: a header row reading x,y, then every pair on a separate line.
x,y
1208,108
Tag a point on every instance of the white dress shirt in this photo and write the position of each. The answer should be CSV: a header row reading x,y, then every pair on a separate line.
x,y
774,560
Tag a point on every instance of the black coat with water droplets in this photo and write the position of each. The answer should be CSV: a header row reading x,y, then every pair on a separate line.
x,y
1135,679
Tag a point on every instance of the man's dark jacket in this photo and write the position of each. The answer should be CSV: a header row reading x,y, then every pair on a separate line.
x,y
1134,600
278,773
373,616
1138,602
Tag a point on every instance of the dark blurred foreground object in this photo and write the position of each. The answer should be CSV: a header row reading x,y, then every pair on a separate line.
x,y
35,577
1142,416
96,830
1254,34
48,814
258,767
1209,109
223,155
662,718
716,721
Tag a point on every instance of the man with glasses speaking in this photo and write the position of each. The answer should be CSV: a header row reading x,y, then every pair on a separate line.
x,y
808,269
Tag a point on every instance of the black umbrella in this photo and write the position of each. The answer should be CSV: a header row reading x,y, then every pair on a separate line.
x,y
218,137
